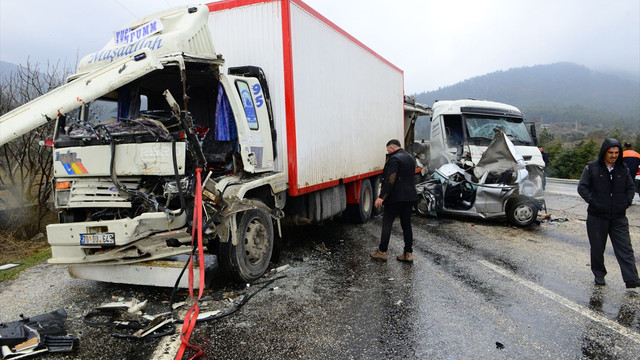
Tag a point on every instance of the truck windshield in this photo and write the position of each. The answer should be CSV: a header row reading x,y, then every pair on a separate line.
x,y
481,129
102,111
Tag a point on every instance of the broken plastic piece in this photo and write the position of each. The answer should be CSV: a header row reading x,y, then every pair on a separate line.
x,y
322,248
61,343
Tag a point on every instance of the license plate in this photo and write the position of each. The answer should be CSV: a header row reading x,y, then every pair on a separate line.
x,y
103,239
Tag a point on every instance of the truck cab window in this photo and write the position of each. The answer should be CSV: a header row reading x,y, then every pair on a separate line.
x,y
454,130
101,111
247,104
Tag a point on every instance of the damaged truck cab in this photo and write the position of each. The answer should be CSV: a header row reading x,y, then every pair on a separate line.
x,y
124,159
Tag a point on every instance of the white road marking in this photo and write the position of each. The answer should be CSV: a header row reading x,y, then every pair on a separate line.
x,y
168,346
592,315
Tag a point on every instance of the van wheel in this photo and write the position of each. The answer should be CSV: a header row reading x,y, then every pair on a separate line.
x,y
250,258
361,212
522,212
422,207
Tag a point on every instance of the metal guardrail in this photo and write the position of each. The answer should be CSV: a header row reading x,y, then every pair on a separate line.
x,y
563,181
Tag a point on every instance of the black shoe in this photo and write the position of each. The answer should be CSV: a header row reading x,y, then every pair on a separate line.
x,y
632,284
600,281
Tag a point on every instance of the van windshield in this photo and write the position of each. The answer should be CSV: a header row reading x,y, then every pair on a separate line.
x,y
482,128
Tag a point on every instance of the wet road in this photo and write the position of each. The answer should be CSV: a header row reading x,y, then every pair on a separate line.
x,y
477,289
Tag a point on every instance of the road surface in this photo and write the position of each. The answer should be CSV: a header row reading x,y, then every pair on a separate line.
x,y
477,289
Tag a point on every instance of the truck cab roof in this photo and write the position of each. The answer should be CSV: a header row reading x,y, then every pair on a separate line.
x,y
474,106
180,30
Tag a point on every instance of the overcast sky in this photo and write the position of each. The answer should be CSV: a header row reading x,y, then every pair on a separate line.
x,y
436,42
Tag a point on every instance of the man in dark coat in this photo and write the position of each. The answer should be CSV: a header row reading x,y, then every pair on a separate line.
x,y
607,187
398,195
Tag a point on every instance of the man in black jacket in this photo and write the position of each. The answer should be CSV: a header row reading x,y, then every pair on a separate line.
x,y
398,195
607,187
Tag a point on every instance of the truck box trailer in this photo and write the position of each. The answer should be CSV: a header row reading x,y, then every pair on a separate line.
x,y
248,111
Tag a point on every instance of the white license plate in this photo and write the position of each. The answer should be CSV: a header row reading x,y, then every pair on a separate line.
x,y
103,239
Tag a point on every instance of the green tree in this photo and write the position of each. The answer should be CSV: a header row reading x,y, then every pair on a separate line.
x,y
570,161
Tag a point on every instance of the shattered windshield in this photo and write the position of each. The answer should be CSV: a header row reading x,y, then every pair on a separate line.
x,y
482,128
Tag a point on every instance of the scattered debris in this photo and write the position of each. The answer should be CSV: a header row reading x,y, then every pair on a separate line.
x,y
35,335
322,248
8,266
208,314
399,302
178,304
128,315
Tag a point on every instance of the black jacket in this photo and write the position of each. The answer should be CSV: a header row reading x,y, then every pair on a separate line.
x,y
608,194
398,178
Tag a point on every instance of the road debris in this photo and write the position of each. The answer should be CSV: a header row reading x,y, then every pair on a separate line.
x,y
8,266
35,335
322,248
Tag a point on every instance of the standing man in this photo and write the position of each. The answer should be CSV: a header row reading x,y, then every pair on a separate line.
x,y
632,159
545,158
607,187
398,195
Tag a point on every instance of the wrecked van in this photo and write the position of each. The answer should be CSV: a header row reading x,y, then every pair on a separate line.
x,y
501,184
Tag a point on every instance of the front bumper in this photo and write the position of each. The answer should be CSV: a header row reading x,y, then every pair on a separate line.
x,y
142,238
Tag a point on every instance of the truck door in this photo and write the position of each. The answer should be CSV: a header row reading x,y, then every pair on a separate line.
x,y
252,120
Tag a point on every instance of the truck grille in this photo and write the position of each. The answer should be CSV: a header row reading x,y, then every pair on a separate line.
x,y
100,192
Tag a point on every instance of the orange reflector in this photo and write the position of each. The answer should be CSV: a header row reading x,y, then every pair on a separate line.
x,y
63,185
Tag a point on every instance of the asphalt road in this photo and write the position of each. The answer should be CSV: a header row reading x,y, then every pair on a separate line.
x,y
477,289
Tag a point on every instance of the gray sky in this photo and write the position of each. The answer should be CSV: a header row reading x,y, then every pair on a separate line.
x,y
436,42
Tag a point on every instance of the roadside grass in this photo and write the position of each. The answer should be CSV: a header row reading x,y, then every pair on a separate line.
x,y
27,253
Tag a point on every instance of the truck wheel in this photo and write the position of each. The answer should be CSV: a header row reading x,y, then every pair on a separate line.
x,y
250,258
522,212
377,189
361,212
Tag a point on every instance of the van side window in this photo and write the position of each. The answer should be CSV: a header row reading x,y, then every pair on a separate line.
x,y
247,104
454,130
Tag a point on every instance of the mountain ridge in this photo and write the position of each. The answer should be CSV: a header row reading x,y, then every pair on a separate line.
x,y
554,93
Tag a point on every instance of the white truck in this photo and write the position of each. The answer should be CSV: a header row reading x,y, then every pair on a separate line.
x,y
285,114
484,161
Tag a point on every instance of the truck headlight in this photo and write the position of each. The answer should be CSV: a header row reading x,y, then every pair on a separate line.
x,y
62,198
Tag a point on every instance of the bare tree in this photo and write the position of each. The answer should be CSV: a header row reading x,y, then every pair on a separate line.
x,y
25,165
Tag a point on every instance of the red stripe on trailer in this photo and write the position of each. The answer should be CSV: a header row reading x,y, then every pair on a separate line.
x,y
328,184
290,107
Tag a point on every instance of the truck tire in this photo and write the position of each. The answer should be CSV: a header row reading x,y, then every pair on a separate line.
x,y
250,258
361,212
377,188
522,212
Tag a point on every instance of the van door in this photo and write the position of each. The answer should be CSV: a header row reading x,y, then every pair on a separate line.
x,y
252,120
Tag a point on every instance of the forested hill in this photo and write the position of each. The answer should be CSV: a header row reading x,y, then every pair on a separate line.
x,y
554,94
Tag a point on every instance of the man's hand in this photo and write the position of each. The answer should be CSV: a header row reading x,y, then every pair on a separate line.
x,y
378,203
